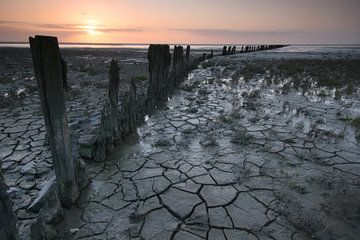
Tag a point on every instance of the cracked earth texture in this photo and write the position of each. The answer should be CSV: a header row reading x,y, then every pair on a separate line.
x,y
228,160
24,151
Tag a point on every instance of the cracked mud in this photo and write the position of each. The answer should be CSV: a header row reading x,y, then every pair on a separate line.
x,y
228,160
233,155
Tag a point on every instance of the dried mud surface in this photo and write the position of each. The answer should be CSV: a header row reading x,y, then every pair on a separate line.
x,y
252,146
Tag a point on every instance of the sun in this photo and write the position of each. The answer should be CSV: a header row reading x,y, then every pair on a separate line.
x,y
91,28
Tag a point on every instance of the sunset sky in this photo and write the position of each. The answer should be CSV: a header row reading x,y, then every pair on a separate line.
x,y
186,21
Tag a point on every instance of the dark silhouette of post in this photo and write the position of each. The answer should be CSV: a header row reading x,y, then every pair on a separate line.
x,y
159,58
109,127
228,50
50,79
8,229
64,68
178,65
114,81
187,55
233,50
224,51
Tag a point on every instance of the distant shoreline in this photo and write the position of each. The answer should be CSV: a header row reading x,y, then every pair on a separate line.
x,y
195,44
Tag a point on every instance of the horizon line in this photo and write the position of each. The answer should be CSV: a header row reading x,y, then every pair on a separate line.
x,y
216,44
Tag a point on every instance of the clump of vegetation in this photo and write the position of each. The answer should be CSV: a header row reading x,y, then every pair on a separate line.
x,y
140,78
101,84
255,94
304,73
350,89
11,99
203,91
236,114
343,118
208,141
241,137
356,123
323,93
225,119
84,83
73,93
5,79
298,188
251,70
254,119
188,130
337,94
192,110
88,70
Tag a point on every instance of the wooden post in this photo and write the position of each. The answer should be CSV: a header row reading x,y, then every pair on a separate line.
x,y
114,81
178,65
224,51
8,229
110,127
187,55
159,63
50,79
229,50
64,68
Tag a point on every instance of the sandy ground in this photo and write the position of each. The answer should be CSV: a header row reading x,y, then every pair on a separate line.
x,y
253,146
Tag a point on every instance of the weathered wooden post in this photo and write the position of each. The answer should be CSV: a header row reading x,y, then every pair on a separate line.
x,y
159,58
233,50
187,54
178,65
114,81
224,51
8,229
110,127
203,57
64,68
211,54
50,79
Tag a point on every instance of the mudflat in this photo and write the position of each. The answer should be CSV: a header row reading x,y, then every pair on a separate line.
x,y
260,145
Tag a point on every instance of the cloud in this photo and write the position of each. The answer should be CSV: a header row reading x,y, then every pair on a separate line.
x,y
128,30
10,34
223,35
66,27
234,33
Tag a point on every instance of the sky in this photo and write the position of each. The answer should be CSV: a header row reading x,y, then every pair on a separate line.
x,y
183,21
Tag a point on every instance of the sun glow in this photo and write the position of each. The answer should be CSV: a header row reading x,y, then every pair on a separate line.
x,y
91,28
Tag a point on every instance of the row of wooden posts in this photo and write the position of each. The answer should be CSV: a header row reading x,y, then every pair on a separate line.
x,y
118,118
230,50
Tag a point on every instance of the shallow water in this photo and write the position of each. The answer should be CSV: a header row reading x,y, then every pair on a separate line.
x,y
292,48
